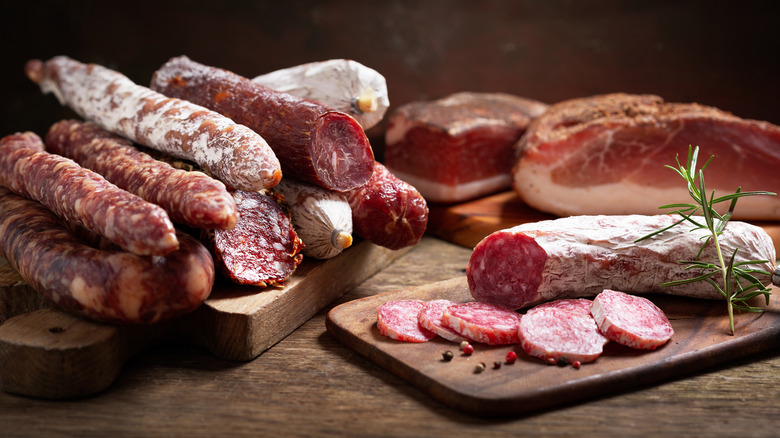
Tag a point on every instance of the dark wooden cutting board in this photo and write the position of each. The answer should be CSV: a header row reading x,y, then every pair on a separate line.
x,y
701,340
467,223
45,352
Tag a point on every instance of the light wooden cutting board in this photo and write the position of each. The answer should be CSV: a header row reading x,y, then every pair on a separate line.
x,y
45,352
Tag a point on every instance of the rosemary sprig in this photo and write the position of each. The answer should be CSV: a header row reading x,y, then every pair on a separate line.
x,y
739,283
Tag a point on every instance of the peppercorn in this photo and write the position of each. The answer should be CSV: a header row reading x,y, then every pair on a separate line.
x,y
463,344
447,356
468,349
479,367
511,357
496,365
576,364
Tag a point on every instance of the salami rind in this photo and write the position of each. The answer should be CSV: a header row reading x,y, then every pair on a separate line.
x,y
235,154
388,211
561,335
631,320
111,286
84,197
483,322
190,198
262,249
313,142
580,256
399,320
430,318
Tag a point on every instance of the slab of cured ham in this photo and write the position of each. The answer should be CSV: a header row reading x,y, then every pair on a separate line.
x,y
606,154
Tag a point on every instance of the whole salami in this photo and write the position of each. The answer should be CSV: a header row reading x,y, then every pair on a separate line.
x,y
262,249
190,198
84,197
235,154
313,142
388,211
581,256
106,285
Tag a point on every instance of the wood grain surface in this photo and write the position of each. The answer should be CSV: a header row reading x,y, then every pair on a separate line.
x,y
701,339
309,384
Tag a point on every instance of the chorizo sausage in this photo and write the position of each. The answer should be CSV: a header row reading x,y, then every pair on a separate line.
x,y
313,142
235,154
111,286
190,198
84,197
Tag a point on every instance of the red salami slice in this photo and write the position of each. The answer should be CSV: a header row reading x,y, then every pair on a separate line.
x,y
387,211
83,197
190,198
483,322
399,320
631,320
263,248
561,335
576,305
313,142
431,319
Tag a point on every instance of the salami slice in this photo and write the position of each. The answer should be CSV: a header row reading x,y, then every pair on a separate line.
x,y
110,285
580,256
483,322
313,142
235,154
430,318
399,320
84,197
263,248
190,198
388,211
561,336
576,305
631,320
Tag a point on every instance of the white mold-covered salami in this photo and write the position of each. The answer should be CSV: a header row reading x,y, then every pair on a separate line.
x,y
483,322
631,320
561,335
235,154
431,315
580,256
399,320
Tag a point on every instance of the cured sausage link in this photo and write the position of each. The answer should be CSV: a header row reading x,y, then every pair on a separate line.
x,y
581,256
106,285
84,197
388,211
235,154
190,198
313,142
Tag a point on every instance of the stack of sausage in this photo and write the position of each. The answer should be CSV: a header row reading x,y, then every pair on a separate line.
x,y
88,213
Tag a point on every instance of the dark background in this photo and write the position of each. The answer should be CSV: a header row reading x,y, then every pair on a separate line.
x,y
724,54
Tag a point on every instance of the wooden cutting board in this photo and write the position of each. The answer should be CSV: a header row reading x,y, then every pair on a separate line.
x,y
45,352
701,340
467,223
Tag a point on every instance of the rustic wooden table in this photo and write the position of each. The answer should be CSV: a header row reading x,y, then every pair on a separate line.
x,y
310,385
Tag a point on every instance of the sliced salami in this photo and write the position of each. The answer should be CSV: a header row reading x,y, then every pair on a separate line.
x,y
483,322
631,320
263,248
431,318
576,305
399,320
561,336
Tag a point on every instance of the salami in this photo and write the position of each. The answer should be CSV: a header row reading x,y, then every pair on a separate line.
x,y
190,198
430,318
388,211
313,142
580,256
262,249
561,336
483,322
575,305
631,320
111,286
399,320
235,154
84,197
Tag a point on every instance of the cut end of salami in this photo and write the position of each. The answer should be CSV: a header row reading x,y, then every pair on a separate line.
x,y
399,320
342,156
561,335
483,322
631,320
